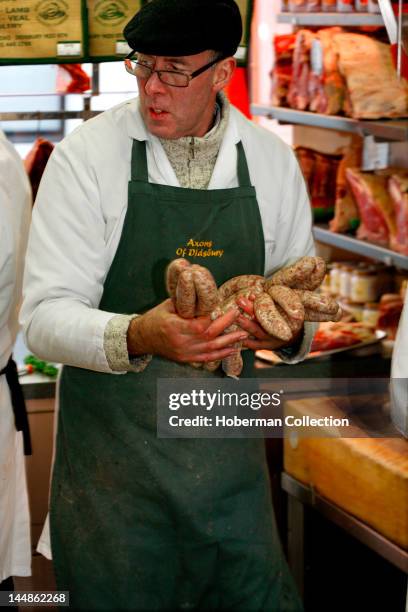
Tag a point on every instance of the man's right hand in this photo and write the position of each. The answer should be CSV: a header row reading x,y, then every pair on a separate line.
x,y
161,331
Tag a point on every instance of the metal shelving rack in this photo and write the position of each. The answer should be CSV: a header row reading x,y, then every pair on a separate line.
x,y
328,19
85,113
386,129
348,243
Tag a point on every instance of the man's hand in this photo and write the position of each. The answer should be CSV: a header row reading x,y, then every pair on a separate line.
x,y
258,338
161,331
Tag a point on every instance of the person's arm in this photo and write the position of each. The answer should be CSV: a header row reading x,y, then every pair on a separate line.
x,y
294,240
67,262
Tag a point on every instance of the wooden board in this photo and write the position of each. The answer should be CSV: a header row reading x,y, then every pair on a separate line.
x,y
367,477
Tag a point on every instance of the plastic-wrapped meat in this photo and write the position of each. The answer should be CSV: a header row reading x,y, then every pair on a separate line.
x,y
326,85
398,189
36,161
282,71
376,210
306,159
373,87
345,209
319,171
298,94
324,183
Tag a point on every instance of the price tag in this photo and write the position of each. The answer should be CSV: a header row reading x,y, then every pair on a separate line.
x,y
122,48
376,155
69,48
241,53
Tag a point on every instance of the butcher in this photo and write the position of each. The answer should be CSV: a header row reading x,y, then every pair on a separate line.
x,y
136,521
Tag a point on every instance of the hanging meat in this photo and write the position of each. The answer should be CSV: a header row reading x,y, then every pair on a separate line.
x,y
36,161
373,88
346,212
298,94
282,71
326,85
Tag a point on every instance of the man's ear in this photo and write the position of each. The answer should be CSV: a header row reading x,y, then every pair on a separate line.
x,y
223,73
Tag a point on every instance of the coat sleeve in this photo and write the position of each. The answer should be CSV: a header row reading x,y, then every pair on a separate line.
x,y
294,235
67,264
295,240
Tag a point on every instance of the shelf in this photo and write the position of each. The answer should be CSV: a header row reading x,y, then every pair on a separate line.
x,y
45,115
348,243
331,19
387,129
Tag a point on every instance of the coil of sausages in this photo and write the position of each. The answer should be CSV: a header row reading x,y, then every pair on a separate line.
x,y
281,303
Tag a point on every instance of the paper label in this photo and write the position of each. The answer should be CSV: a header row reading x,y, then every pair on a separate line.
x,y
316,57
376,155
33,29
122,48
73,48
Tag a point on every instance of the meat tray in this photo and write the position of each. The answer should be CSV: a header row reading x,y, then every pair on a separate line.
x,y
271,357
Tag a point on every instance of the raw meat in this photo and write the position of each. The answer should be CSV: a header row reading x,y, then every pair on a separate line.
x,y
345,210
373,87
326,85
331,336
282,72
376,210
319,171
398,189
298,94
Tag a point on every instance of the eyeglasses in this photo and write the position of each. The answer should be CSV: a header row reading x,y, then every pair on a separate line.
x,y
168,77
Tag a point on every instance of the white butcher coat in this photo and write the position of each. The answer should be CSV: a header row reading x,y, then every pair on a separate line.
x,y
15,213
80,210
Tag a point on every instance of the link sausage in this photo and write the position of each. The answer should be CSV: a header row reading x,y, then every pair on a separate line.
x,y
270,318
240,282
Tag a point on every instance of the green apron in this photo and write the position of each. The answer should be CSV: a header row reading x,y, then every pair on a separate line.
x,y
146,523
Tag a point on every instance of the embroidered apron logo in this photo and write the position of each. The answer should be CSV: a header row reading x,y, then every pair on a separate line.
x,y
199,248
52,13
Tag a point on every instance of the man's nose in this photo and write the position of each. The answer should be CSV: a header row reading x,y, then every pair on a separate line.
x,y
154,84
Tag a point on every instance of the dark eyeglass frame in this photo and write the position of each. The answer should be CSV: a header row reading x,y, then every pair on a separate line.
x,y
190,76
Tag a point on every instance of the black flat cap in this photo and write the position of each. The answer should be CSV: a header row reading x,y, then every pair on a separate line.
x,y
185,27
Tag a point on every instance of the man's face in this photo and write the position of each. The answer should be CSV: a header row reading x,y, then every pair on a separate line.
x,y
174,112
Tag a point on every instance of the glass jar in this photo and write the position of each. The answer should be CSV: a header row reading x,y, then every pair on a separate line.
x,y
363,286
345,282
335,278
371,313
326,284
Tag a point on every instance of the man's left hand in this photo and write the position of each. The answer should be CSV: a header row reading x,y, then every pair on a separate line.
x,y
259,339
